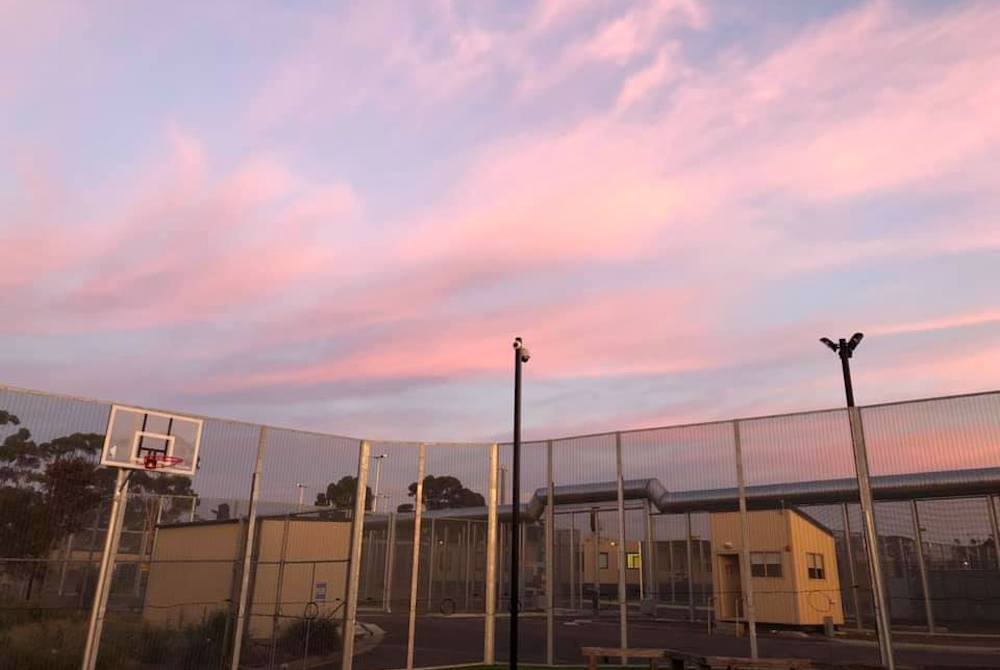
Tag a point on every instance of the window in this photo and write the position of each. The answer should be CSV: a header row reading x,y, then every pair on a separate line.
x,y
765,563
602,560
633,561
815,564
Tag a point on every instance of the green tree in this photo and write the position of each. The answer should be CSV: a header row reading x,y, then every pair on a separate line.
x,y
447,492
55,488
340,494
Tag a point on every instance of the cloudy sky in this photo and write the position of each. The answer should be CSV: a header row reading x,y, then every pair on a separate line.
x,y
337,215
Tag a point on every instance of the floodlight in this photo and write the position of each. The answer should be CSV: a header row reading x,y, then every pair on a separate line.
x,y
828,342
855,340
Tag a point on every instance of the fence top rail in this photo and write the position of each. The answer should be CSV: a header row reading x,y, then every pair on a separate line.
x,y
486,444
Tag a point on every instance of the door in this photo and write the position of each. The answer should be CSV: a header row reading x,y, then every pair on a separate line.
x,y
730,596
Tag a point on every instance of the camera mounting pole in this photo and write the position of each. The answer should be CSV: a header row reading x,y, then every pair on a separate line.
x,y
521,356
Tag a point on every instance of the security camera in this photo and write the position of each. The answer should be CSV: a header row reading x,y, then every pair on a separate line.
x,y
519,346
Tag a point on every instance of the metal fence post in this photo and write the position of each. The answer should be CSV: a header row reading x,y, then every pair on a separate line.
x,y
622,588
278,588
491,560
649,566
418,506
849,546
390,556
550,556
690,569
871,538
248,544
354,566
745,576
919,536
573,562
103,588
995,528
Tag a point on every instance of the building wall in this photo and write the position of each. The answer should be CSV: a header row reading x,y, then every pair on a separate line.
x,y
817,598
315,553
773,596
792,598
608,577
200,582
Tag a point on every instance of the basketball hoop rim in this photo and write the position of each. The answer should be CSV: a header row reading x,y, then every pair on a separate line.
x,y
159,462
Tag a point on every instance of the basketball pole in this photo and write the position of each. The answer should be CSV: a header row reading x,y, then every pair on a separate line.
x,y
107,568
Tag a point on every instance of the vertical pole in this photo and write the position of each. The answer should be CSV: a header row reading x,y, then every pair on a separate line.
x,y
574,564
418,506
848,545
354,565
690,569
90,553
489,657
469,538
278,589
622,587
103,588
550,555
995,527
745,577
390,555
649,562
918,534
596,537
378,476
871,537
670,567
430,568
65,562
248,542
515,534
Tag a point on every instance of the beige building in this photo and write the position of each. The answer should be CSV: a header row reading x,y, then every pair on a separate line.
x,y
195,568
793,565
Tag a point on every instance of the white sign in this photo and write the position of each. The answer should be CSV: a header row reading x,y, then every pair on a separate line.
x,y
319,594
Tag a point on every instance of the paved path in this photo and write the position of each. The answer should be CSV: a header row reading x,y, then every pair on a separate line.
x,y
455,640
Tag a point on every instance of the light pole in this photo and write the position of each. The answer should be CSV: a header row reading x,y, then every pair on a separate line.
x,y
378,474
521,356
845,350
302,494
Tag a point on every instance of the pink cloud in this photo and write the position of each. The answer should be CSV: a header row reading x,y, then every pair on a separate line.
x,y
180,244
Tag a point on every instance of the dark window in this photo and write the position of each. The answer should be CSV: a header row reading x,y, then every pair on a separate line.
x,y
765,563
815,565
602,560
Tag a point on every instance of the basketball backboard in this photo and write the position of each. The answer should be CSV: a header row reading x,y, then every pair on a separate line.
x,y
145,440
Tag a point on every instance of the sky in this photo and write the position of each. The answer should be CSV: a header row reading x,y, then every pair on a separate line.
x,y
336,216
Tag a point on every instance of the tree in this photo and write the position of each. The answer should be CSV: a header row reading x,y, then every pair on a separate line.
x,y
447,492
50,490
340,494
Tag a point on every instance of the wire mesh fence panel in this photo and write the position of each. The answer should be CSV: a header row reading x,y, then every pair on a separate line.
x,y
531,557
52,501
791,463
958,435
960,566
387,557
691,467
174,590
301,545
898,550
580,465
450,626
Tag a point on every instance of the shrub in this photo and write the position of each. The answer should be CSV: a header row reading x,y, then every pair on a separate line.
x,y
324,637
205,643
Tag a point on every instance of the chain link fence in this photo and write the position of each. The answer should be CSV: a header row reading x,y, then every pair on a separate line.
x,y
297,549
